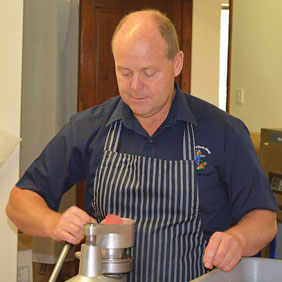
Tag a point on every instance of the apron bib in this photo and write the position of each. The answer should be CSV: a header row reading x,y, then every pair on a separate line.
x,y
162,196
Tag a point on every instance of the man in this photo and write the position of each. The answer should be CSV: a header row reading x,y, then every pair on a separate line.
x,y
186,171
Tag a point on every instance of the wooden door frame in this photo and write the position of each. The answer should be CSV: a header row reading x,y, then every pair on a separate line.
x,y
229,55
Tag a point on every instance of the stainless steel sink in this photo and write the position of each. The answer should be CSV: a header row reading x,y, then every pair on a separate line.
x,y
247,270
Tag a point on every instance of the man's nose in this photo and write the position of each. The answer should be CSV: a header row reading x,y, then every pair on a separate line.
x,y
136,82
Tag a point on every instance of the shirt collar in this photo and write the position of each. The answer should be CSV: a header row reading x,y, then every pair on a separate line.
x,y
180,110
122,112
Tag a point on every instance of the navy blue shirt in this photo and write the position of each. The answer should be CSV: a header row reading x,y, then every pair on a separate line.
x,y
231,180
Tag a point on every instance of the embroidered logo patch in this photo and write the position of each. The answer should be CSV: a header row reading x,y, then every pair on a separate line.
x,y
201,163
200,157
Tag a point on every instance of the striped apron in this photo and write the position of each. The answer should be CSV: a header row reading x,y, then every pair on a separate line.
x,y
162,196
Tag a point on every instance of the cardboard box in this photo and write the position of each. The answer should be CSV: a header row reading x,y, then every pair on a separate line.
x,y
24,242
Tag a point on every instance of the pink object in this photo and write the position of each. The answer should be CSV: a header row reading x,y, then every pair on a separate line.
x,y
112,219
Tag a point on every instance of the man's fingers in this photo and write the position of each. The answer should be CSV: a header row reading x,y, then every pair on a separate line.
x,y
229,266
75,211
69,227
92,220
70,238
223,251
211,250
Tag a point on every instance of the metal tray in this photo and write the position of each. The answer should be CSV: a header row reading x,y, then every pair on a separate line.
x,y
247,270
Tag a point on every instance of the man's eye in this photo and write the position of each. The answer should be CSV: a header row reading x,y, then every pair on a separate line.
x,y
125,74
149,73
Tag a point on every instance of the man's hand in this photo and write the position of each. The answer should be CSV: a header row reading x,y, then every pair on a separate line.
x,y
31,214
223,251
252,233
69,225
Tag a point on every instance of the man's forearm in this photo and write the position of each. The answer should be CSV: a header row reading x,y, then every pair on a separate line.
x,y
255,230
30,212
32,216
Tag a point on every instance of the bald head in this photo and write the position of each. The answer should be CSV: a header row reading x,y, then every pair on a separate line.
x,y
151,24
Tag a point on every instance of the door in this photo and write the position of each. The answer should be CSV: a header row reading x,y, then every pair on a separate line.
x,y
98,19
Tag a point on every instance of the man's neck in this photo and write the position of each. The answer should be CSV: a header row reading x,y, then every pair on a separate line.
x,y
149,125
152,123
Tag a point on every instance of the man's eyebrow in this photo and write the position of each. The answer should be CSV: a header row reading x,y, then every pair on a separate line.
x,y
148,67
121,67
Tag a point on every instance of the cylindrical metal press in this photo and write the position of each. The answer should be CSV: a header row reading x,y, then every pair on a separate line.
x,y
102,256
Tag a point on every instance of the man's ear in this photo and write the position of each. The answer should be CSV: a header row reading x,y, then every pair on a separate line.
x,y
178,63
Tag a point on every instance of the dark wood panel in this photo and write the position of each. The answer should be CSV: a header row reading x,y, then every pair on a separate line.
x,y
87,54
186,45
98,20
106,85
130,5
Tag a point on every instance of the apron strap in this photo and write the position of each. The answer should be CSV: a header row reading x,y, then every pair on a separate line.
x,y
113,136
189,143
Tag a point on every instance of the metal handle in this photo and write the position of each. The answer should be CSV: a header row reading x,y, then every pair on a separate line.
x,y
59,263
95,229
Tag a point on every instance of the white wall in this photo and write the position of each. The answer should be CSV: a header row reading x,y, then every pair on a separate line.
x,y
39,79
205,50
256,64
50,67
49,88
48,70
11,24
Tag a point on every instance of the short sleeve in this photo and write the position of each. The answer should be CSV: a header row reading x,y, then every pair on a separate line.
x,y
247,185
57,169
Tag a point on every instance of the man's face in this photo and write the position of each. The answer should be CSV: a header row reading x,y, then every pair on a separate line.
x,y
144,74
